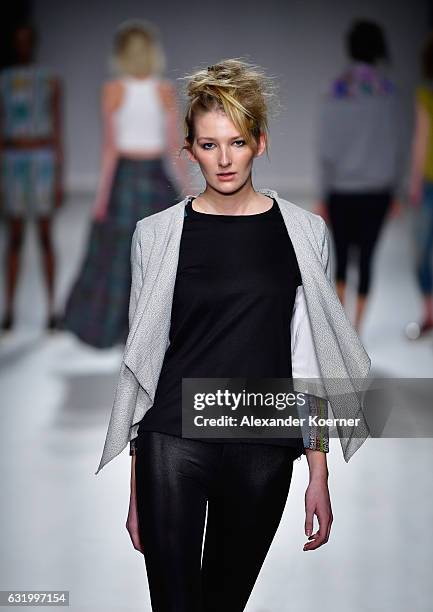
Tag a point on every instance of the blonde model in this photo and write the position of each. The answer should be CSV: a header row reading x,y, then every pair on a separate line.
x,y
233,282
139,157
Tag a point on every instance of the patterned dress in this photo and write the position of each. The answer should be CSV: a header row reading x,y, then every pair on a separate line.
x,y
27,175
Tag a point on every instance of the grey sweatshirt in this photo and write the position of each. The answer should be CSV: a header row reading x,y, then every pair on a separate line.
x,y
359,145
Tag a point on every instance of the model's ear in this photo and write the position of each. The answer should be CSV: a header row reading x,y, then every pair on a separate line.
x,y
189,152
261,145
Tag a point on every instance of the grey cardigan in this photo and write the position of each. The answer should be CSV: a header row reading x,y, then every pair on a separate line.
x,y
342,359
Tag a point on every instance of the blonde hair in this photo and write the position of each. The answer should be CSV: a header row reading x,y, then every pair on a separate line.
x,y
137,49
239,89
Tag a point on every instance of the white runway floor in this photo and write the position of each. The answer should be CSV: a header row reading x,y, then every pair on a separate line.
x,y
63,528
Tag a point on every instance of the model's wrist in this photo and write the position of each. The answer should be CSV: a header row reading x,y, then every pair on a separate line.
x,y
317,464
319,476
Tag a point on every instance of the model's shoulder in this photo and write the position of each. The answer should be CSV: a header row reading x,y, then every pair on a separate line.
x,y
160,218
303,215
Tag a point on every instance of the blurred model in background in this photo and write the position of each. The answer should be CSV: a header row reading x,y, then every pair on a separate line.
x,y
421,188
140,123
31,161
359,155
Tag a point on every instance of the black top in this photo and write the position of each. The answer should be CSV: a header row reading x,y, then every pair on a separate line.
x,y
232,308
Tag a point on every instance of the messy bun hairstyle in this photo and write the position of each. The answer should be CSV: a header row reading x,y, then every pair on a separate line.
x,y
239,89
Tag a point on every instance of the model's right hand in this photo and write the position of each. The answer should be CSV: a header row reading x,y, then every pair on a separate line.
x,y
132,520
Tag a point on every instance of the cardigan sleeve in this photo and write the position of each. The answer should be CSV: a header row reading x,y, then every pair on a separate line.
x,y
326,251
305,365
136,274
136,284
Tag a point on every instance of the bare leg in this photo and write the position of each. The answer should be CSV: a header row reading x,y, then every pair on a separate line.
x,y
426,324
428,308
361,303
12,262
341,290
45,239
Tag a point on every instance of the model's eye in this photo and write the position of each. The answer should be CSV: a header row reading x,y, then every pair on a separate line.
x,y
207,146
239,143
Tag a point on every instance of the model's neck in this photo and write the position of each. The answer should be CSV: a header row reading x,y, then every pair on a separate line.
x,y
244,201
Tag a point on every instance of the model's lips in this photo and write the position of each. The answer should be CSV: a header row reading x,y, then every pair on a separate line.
x,y
226,176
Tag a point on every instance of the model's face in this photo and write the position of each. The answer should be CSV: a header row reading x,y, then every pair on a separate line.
x,y
224,157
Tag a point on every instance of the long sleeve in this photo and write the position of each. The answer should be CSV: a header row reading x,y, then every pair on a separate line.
x,y
136,274
359,143
304,359
326,252
305,365
136,284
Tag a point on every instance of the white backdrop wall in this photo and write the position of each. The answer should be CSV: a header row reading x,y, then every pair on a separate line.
x,y
300,42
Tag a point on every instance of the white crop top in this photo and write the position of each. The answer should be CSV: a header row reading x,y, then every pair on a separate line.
x,y
140,120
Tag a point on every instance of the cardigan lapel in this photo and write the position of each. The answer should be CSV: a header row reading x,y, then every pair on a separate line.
x,y
148,338
150,330
344,356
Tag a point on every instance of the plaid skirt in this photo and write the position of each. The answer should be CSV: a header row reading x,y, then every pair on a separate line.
x,y
97,308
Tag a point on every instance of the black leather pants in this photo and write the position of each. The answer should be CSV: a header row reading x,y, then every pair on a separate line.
x,y
246,487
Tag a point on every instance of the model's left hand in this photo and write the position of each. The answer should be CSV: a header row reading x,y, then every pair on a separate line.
x,y
317,502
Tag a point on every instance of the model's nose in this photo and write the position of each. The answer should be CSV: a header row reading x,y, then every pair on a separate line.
x,y
224,159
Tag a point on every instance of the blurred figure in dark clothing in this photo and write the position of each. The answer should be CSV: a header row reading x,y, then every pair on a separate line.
x,y
31,160
359,156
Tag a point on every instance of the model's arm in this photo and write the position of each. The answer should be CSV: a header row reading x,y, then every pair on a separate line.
x,y
305,365
316,440
136,274
136,284
132,447
132,521
419,150
317,501
110,101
